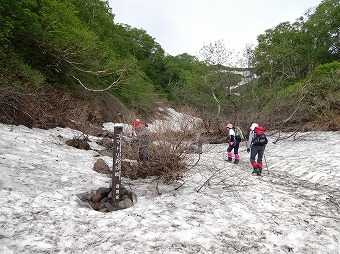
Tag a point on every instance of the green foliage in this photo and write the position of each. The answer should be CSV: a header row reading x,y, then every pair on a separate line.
x,y
289,51
315,97
323,99
33,75
324,70
285,100
323,28
324,80
282,54
67,42
148,52
19,25
139,95
71,44
290,89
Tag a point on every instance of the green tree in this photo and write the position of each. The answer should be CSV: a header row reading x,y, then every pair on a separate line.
x,y
281,54
323,28
147,51
287,52
178,69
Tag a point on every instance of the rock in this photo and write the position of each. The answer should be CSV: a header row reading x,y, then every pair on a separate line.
x,y
78,143
101,167
128,203
95,206
121,204
125,197
102,206
106,142
85,196
103,191
96,198
104,210
104,200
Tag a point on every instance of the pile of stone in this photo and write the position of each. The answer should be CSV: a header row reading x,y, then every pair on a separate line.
x,y
101,199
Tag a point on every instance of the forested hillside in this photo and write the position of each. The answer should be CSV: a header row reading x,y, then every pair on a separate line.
x,y
60,60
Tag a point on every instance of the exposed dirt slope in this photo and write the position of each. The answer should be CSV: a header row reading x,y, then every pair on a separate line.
x,y
52,108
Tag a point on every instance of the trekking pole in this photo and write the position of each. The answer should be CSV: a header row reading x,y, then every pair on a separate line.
x,y
264,155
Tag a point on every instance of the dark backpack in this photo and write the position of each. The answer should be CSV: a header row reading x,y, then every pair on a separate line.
x,y
238,134
260,138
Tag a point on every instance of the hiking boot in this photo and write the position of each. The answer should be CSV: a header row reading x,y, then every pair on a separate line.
x,y
236,161
230,159
255,170
259,171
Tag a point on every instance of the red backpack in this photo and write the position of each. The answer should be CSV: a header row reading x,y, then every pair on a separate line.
x,y
260,138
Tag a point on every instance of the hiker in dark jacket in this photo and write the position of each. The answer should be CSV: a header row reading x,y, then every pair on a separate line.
x,y
256,148
233,144
141,133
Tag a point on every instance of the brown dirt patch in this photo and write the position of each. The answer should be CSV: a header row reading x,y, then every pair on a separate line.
x,y
50,108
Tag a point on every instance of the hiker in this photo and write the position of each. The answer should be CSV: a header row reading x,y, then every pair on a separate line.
x,y
140,131
196,147
135,124
256,145
233,144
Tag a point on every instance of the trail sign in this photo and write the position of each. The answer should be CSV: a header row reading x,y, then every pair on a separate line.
x,y
117,167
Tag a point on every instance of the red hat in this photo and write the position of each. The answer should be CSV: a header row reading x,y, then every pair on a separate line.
x,y
136,123
229,125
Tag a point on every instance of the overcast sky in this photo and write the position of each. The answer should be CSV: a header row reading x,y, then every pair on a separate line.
x,y
184,26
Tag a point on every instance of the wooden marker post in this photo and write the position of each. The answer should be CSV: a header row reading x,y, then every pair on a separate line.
x,y
117,167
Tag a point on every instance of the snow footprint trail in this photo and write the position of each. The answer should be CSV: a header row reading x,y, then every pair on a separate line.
x,y
293,206
310,166
322,199
298,207
311,211
311,156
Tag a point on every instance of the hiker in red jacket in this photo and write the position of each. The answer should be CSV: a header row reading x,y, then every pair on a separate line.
x,y
256,146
